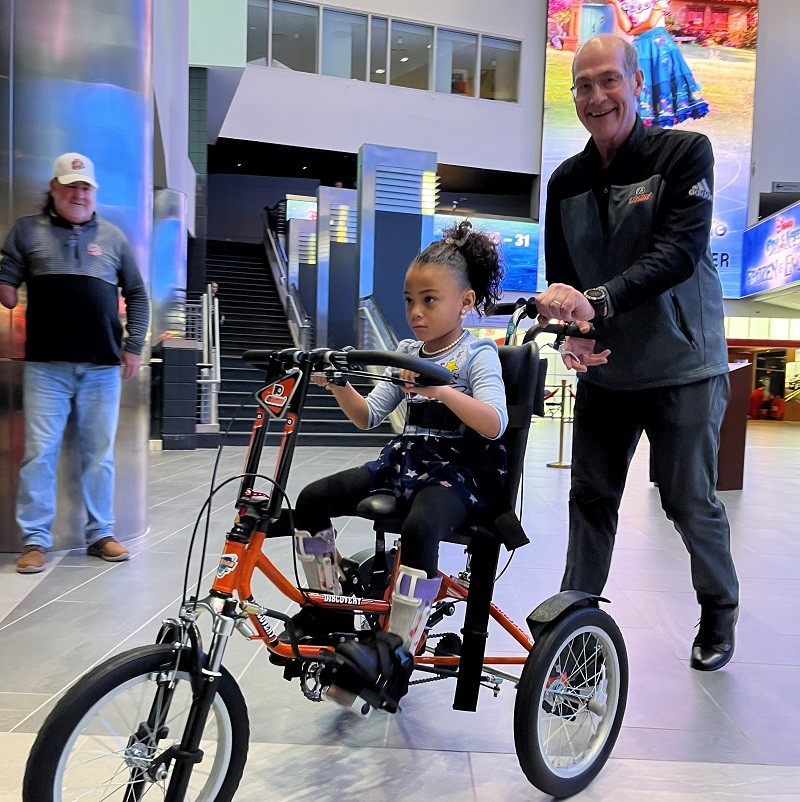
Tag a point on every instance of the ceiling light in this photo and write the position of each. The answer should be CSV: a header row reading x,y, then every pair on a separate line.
x,y
379,71
404,59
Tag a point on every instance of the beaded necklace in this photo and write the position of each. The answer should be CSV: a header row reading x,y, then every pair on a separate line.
x,y
446,348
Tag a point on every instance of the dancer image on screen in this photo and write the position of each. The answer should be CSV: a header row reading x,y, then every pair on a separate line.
x,y
670,94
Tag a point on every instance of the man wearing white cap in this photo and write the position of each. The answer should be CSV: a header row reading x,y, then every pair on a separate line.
x,y
73,263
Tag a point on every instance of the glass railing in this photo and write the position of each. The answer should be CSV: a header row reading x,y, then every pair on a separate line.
x,y
375,332
300,324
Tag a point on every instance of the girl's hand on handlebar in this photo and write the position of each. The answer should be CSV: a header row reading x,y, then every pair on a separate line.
x,y
321,380
578,354
407,380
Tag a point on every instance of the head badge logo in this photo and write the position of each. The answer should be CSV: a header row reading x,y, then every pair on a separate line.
x,y
77,164
275,397
226,564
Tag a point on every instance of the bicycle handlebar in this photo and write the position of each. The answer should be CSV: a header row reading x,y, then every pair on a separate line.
x,y
429,373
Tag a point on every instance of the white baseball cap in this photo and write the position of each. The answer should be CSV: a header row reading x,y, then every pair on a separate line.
x,y
72,167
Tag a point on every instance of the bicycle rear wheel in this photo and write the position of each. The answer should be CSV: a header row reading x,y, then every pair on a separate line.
x,y
96,744
570,702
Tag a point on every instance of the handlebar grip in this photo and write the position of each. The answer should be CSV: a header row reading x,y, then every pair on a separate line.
x,y
429,373
563,330
261,358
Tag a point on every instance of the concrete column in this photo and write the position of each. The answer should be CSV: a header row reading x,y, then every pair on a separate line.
x,y
79,79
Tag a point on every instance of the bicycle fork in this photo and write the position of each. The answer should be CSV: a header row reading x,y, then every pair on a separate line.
x,y
204,689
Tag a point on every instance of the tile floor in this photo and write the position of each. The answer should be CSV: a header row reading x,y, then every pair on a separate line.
x,y
733,734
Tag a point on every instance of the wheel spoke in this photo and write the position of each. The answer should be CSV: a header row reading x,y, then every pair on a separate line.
x,y
570,701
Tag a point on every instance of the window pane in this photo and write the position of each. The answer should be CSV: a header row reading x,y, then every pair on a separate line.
x,y
344,45
411,55
294,36
377,50
499,69
257,23
456,54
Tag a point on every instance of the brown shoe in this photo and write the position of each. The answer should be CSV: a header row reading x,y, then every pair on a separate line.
x,y
32,560
109,550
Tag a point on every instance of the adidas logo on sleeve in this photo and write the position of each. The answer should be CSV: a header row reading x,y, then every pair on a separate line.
x,y
701,190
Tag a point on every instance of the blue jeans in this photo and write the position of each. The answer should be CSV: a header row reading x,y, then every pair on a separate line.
x,y
53,390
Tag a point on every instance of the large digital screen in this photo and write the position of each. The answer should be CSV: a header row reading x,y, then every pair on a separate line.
x,y
519,242
771,254
713,47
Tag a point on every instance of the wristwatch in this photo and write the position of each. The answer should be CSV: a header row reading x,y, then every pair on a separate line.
x,y
598,298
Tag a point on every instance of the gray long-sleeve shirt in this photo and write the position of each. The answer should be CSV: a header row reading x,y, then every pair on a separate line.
x,y
475,365
73,274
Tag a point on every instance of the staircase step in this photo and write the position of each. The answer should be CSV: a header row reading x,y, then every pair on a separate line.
x,y
254,318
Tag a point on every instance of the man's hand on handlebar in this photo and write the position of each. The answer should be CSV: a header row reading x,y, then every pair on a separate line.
x,y
562,302
568,305
578,354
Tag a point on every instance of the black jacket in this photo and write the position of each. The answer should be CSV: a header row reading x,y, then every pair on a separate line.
x,y
641,228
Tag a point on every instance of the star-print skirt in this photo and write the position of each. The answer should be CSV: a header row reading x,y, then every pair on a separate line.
x,y
474,467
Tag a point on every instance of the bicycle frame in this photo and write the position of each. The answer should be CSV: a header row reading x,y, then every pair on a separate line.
x,y
283,397
288,374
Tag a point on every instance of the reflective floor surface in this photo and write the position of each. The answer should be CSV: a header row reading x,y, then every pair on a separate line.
x,y
732,734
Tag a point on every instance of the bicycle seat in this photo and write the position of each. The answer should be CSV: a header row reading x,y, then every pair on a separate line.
x,y
377,506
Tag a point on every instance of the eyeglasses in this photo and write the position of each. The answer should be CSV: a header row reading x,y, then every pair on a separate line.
x,y
608,82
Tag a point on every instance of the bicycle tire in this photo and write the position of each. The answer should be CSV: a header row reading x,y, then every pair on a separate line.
x,y
89,711
574,686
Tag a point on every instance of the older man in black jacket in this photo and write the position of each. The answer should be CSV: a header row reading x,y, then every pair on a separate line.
x,y
627,246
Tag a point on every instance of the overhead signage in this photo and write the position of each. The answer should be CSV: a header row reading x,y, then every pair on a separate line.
x,y
771,252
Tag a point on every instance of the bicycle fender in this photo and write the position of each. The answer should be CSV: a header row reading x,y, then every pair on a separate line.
x,y
553,608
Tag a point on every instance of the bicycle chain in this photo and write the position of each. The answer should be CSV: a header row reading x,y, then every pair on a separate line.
x,y
435,678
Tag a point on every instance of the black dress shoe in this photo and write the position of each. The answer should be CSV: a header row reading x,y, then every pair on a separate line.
x,y
713,646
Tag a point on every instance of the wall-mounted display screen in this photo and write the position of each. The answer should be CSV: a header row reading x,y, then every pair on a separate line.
x,y
519,240
301,208
708,49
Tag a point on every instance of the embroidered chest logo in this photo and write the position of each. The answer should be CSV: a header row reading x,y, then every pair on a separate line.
x,y
93,249
640,195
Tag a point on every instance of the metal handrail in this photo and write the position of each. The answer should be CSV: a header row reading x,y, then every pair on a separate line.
x,y
379,334
208,335
300,324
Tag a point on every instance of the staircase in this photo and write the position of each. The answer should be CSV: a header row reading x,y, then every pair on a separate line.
x,y
254,318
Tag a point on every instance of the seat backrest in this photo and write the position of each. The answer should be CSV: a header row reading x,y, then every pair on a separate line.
x,y
521,374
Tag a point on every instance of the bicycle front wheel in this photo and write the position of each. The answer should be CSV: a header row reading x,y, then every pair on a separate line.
x,y
98,743
570,702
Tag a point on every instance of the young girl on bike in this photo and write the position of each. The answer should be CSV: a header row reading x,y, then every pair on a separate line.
x,y
447,462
